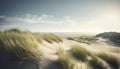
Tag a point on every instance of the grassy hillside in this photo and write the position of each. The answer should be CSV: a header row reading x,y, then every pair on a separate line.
x,y
49,37
23,45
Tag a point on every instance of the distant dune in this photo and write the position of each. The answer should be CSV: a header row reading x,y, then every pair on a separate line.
x,y
112,36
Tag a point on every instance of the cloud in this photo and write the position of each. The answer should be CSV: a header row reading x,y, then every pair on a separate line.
x,y
27,18
35,19
96,22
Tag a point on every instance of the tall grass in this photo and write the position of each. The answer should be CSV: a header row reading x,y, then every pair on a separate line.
x,y
97,63
13,30
80,53
49,37
111,59
65,60
22,46
93,61
38,37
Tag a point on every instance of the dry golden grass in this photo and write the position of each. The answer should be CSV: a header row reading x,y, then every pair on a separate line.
x,y
112,60
66,61
49,37
38,37
80,53
97,63
20,45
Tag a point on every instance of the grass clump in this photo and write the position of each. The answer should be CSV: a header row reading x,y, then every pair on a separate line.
x,y
38,37
49,37
112,60
97,63
66,61
21,46
13,30
80,53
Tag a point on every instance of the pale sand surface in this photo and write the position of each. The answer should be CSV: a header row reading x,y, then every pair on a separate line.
x,y
100,45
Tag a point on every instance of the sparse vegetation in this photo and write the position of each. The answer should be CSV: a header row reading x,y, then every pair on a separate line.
x,y
70,38
112,36
80,53
97,63
66,61
49,37
82,39
112,60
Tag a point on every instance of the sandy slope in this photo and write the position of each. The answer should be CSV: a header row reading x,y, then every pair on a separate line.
x,y
103,45
50,50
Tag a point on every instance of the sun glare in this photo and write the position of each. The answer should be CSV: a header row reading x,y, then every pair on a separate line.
x,y
110,16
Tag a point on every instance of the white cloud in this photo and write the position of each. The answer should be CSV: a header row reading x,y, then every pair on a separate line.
x,y
105,21
28,18
33,19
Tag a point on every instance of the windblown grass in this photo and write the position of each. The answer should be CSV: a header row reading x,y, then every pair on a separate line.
x,y
112,60
38,37
97,63
80,53
22,46
93,60
101,61
49,37
13,30
65,60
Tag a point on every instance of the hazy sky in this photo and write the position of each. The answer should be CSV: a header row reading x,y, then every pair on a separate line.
x,y
60,15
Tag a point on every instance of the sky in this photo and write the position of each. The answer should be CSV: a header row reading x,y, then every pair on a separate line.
x,y
60,15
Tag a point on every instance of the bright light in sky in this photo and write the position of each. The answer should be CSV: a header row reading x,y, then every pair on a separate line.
x,y
61,16
110,16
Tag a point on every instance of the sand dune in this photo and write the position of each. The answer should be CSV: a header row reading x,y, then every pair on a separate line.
x,y
25,50
101,45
